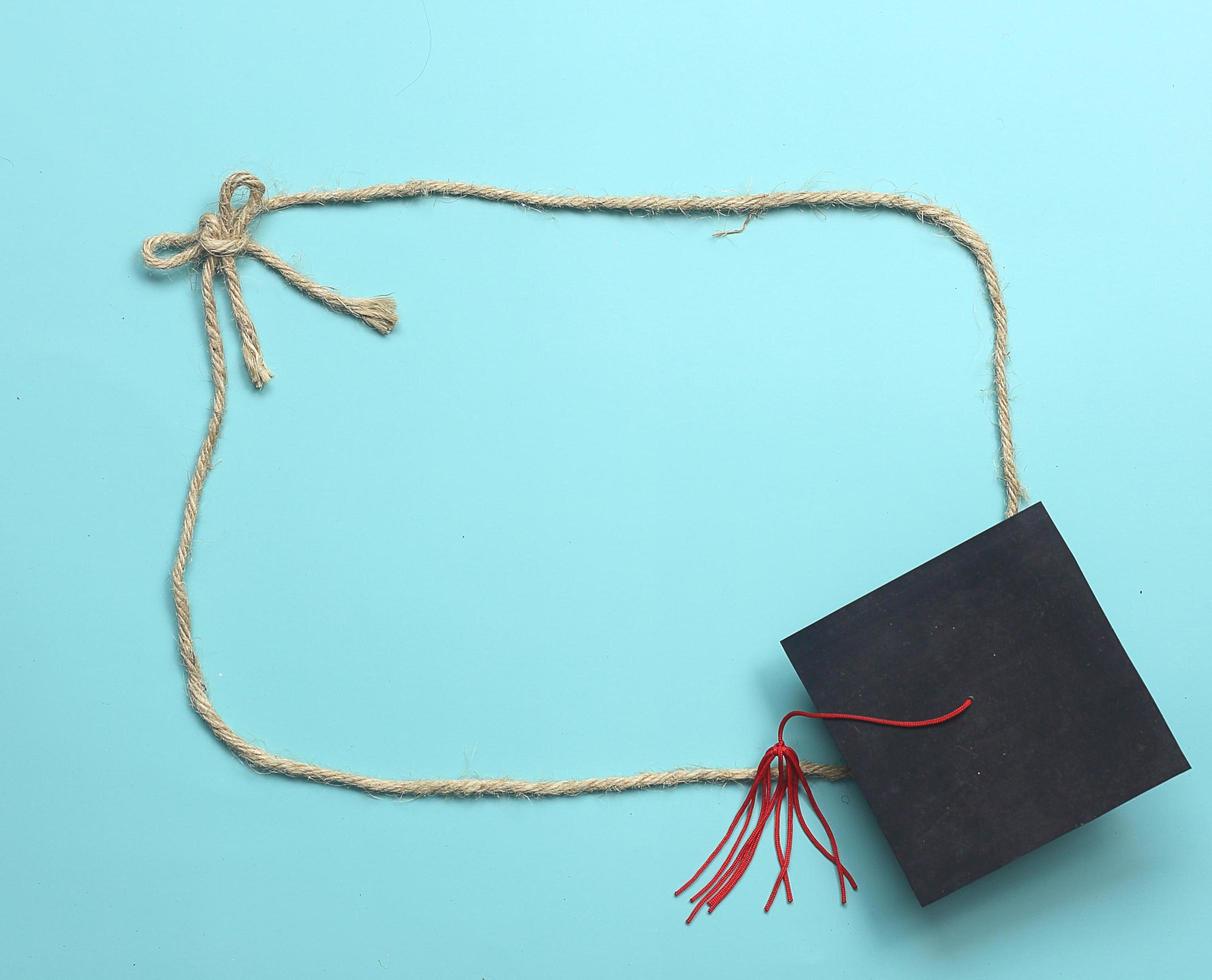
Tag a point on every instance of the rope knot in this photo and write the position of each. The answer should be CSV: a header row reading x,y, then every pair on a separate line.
x,y
226,232
214,238
221,236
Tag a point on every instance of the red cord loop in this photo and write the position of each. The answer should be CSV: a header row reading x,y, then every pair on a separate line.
x,y
780,799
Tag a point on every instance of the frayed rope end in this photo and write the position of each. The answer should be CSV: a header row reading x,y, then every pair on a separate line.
x,y
258,373
378,312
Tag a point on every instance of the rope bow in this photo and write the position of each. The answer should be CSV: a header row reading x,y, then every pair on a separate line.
x,y
223,235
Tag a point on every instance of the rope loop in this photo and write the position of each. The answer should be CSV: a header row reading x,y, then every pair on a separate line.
x,y
238,218
222,236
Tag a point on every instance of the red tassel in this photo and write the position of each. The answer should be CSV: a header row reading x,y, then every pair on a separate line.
x,y
781,800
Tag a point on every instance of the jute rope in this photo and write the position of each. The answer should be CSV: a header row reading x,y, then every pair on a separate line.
x,y
223,235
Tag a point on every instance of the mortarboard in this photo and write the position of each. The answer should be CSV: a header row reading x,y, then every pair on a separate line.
x,y
1062,728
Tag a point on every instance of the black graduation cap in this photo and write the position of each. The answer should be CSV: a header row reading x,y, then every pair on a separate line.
x,y
1061,729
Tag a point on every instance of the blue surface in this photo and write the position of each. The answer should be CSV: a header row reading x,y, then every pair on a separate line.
x,y
557,523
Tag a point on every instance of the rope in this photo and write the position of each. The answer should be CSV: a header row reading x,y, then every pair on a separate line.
x,y
223,235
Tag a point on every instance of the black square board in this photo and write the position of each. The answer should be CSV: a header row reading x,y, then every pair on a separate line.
x,y
1061,729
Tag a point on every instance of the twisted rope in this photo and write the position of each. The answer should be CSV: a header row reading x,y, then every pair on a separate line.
x,y
222,236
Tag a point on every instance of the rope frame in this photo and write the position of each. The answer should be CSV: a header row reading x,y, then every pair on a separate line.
x,y
223,235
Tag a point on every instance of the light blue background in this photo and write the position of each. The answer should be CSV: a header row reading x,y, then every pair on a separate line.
x,y
557,523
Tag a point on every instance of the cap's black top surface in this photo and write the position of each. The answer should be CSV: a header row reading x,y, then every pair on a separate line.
x,y
1061,730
